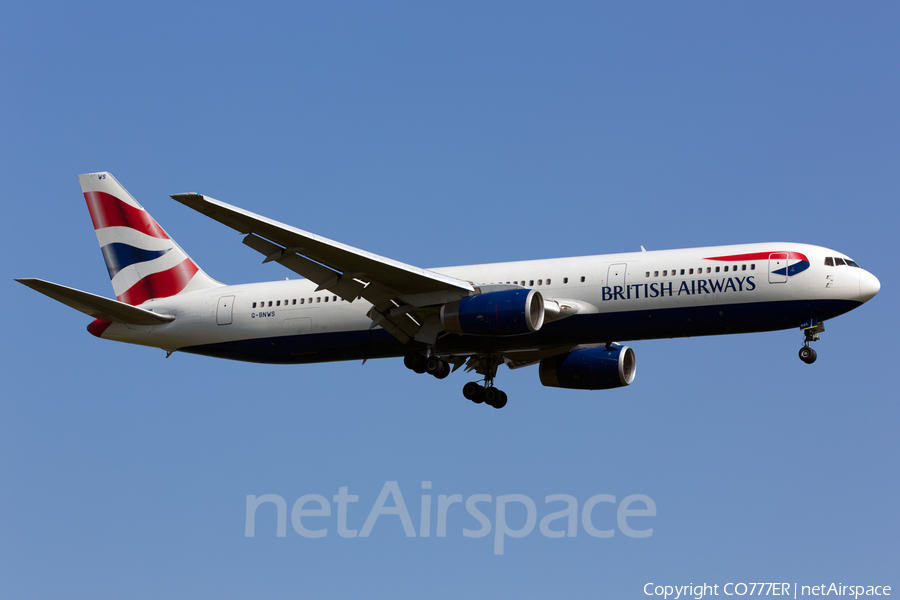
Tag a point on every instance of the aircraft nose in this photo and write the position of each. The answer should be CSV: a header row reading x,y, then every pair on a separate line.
x,y
868,286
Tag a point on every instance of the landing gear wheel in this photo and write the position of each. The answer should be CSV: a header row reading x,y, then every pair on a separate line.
x,y
435,366
492,396
415,362
807,355
500,402
474,392
444,372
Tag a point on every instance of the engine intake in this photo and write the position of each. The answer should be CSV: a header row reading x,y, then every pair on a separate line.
x,y
508,312
599,368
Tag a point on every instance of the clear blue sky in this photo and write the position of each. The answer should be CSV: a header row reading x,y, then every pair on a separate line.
x,y
437,135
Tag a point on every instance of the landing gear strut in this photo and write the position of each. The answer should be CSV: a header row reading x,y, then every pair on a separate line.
x,y
811,330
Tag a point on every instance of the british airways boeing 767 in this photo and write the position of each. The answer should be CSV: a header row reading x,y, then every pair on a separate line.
x,y
565,314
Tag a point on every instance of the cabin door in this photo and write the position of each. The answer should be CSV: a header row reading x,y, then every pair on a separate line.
x,y
778,262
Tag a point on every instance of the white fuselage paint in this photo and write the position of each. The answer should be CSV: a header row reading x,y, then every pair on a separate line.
x,y
588,280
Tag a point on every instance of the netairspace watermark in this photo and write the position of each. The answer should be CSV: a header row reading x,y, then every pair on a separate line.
x,y
674,592
556,524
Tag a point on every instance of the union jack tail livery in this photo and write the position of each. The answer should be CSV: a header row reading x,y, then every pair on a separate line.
x,y
143,261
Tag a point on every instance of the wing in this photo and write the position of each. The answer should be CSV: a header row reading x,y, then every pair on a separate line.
x,y
404,298
97,306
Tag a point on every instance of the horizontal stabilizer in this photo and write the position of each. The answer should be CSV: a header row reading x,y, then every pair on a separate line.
x,y
97,306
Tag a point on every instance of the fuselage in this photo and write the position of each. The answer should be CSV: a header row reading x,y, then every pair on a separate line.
x,y
617,297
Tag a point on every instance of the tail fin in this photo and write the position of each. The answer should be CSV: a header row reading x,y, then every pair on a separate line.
x,y
143,261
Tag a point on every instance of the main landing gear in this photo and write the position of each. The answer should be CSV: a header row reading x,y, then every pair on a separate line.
x,y
474,391
811,330
433,365
487,393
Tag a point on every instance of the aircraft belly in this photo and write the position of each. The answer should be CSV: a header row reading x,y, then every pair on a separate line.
x,y
580,329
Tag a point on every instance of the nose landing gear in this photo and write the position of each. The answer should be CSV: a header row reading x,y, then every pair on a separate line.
x,y
811,330
807,355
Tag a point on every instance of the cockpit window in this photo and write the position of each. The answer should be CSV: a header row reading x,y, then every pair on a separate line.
x,y
829,262
839,261
853,264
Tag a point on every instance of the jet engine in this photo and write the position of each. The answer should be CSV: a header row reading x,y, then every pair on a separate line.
x,y
600,368
507,312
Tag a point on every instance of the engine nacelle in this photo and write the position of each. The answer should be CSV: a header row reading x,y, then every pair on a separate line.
x,y
599,368
507,312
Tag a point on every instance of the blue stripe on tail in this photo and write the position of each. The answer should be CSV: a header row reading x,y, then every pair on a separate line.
x,y
118,256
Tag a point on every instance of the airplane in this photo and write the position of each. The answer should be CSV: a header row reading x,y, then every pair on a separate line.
x,y
566,315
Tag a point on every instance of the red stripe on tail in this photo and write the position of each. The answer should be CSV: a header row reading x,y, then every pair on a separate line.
x,y
108,211
160,285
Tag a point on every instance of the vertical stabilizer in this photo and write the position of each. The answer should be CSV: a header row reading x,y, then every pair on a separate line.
x,y
143,261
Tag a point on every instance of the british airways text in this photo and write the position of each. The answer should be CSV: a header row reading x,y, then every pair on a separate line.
x,y
636,291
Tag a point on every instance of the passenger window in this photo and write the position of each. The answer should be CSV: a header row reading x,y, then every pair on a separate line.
x,y
829,262
540,282
334,298
665,273
565,280
278,303
656,273
270,303
326,298
294,301
734,268
285,302
582,279
318,299
254,305
753,267
531,283
548,281
682,271
726,268
301,300
647,274
690,271
717,269
743,267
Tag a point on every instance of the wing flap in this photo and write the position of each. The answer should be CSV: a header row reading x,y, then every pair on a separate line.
x,y
328,279
95,306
